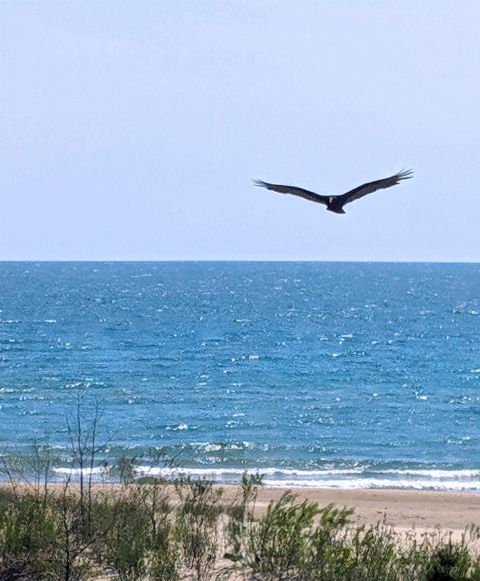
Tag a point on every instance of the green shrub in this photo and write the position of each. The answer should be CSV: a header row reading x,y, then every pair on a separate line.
x,y
197,524
127,543
29,535
291,541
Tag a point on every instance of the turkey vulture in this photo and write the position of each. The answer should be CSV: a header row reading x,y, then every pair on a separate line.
x,y
336,203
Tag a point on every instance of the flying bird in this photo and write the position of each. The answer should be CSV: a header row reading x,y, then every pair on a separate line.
x,y
336,203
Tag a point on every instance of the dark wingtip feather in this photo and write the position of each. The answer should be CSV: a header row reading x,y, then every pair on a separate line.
x,y
405,174
260,184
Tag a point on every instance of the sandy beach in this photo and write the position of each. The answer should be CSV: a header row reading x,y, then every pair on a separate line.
x,y
404,509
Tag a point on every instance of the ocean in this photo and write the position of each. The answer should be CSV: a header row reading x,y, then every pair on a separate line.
x,y
342,375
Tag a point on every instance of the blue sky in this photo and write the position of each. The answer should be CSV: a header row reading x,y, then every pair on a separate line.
x,y
131,130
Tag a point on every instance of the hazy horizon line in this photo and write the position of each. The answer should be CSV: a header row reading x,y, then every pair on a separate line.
x,y
241,260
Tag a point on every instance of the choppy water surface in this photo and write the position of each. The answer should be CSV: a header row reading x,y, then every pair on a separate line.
x,y
344,375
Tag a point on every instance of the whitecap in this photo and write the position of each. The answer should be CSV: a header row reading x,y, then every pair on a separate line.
x,y
77,471
434,472
181,426
361,483
341,478
72,385
213,447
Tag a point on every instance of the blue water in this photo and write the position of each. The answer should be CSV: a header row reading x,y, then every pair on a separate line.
x,y
338,374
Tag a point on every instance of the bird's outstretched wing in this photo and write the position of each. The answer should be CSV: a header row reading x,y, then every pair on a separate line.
x,y
370,187
312,196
